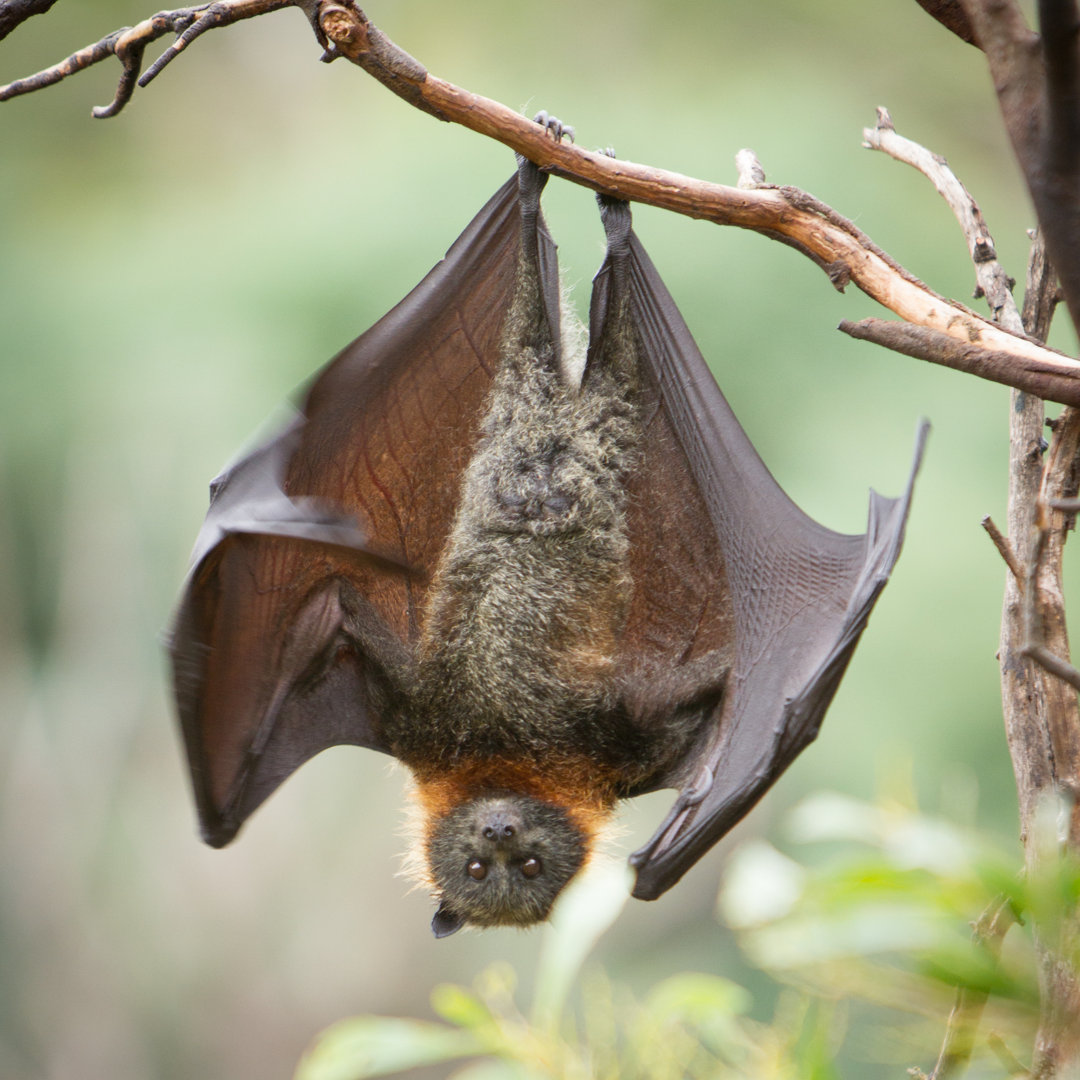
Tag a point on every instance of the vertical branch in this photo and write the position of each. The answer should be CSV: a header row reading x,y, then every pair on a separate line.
x,y
1024,684
1042,719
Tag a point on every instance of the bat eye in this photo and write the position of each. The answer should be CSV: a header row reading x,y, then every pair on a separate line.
x,y
531,868
477,870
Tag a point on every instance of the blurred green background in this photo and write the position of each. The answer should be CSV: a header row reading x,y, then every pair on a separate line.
x,y
169,276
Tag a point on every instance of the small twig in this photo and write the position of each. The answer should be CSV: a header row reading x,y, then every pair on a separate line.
x,y
129,43
1005,549
1012,1063
959,1041
14,12
1041,291
1068,506
993,282
950,13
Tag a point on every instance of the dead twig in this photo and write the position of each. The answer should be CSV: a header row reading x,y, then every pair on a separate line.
x,y
1005,549
14,12
993,282
963,1022
950,13
130,42
1055,380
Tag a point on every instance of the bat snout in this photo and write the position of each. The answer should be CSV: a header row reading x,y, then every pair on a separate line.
x,y
499,824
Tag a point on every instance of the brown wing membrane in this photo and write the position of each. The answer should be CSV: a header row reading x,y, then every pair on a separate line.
x,y
340,518
723,560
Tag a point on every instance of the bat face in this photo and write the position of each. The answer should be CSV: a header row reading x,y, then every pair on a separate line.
x,y
543,593
501,860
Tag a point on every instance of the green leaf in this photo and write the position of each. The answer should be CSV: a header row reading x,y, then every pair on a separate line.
x,y
974,968
814,1051
460,1007
375,1046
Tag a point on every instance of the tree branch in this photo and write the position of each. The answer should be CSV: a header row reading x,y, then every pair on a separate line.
x,y
1038,88
993,282
782,213
1057,381
130,42
951,15
1041,714
1042,720
1005,550
956,1047
14,12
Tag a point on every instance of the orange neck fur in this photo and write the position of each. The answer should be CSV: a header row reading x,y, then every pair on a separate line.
x,y
574,784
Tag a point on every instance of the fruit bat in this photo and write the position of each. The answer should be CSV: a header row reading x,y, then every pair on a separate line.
x,y
544,582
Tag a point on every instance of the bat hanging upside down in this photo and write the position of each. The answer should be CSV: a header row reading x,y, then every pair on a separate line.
x,y
544,582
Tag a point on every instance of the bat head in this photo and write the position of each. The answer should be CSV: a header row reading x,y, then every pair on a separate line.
x,y
501,860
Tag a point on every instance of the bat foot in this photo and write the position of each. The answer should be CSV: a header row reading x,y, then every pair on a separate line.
x,y
618,222
615,215
554,126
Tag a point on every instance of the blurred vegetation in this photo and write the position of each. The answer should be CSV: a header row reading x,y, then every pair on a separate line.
x,y
169,276
872,943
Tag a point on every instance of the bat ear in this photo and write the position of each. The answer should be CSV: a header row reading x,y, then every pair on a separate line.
x,y
446,922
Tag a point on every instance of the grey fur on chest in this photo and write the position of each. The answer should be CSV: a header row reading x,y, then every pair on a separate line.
x,y
530,597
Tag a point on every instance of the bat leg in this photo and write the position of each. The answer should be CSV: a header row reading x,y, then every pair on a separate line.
x,y
533,318
655,690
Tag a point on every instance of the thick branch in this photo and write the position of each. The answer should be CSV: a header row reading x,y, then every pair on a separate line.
x,y
1058,24
1038,89
785,214
1041,716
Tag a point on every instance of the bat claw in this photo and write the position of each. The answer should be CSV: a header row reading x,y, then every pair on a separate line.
x,y
554,126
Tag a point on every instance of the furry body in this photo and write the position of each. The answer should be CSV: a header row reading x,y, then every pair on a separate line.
x,y
516,692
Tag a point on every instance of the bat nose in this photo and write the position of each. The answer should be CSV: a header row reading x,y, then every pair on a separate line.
x,y
499,830
499,824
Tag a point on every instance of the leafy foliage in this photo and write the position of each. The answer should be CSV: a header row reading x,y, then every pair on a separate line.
x,y
877,917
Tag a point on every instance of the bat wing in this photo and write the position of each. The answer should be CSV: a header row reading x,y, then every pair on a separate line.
x,y
724,561
309,573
